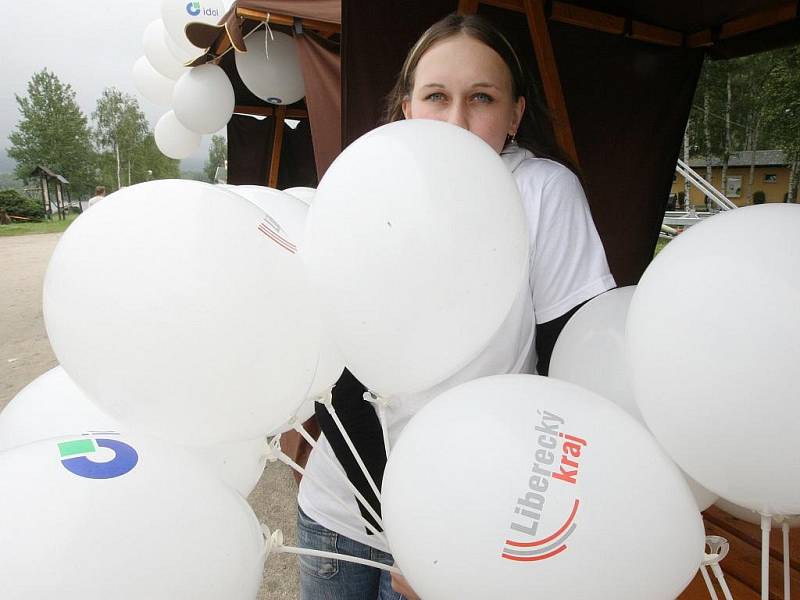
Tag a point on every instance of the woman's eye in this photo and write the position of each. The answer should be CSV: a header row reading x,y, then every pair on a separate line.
x,y
481,97
435,97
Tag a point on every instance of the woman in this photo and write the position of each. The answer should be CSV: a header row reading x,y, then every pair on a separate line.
x,y
463,71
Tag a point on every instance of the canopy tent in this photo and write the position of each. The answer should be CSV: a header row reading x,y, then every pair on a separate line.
x,y
618,77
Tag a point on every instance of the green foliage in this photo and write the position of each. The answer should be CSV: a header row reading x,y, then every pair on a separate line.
x,y
19,205
52,132
217,156
29,228
195,176
9,182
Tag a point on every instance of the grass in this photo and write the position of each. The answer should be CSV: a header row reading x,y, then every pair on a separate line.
x,y
660,246
51,226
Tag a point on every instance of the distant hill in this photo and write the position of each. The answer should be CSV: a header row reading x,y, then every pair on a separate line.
x,y
9,182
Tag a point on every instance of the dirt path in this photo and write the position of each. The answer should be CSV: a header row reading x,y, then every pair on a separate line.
x,y
25,354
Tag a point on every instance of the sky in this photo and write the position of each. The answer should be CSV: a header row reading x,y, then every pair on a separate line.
x,y
90,44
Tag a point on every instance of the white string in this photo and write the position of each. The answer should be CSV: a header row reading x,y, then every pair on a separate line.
x,y
766,525
722,583
332,412
381,403
336,466
275,542
787,591
278,454
711,591
268,37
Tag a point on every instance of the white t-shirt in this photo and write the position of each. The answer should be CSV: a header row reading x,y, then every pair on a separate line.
x,y
95,199
567,267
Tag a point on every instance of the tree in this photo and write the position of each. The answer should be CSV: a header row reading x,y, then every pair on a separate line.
x,y
120,128
217,156
52,132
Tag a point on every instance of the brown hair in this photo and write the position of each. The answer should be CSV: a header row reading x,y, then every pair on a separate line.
x,y
535,131
100,190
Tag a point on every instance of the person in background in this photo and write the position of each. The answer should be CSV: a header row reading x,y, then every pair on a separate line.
x,y
463,71
99,194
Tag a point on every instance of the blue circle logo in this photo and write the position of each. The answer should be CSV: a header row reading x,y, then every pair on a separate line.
x,y
76,458
193,8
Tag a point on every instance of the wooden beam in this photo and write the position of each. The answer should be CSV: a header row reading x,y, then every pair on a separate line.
x,y
277,144
655,35
760,20
276,19
587,18
548,71
468,7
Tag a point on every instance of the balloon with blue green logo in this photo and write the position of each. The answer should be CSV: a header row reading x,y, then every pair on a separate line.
x,y
102,516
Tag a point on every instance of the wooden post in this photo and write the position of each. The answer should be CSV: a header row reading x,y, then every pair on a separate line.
x,y
554,95
277,144
467,7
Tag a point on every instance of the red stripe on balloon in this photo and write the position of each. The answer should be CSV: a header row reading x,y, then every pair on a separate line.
x,y
558,550
551,537
284,243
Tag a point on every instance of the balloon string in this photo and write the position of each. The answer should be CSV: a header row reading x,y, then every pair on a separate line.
x,y
766,525
268,37
786,573
338,468
381,403
722,583
711,591
279,548
332,412
278,454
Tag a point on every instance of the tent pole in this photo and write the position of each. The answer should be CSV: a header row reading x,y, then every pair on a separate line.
x,y
277,144
548,70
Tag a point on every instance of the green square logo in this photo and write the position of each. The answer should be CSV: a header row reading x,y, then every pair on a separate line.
x,y
84,446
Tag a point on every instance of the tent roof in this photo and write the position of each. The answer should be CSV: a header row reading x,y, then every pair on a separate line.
x,y
49,173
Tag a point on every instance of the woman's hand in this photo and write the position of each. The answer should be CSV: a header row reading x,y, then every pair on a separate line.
x,y
400,585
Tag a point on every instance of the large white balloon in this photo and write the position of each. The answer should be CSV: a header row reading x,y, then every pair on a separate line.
x,y
157,52
304,194
108,516
203,99
290,214
52,406
199,327
719,387
519,486
151,84
590,352
176,14
276,78
173,139
417,245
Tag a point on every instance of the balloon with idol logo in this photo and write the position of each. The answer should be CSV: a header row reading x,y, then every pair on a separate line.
x,y
203,99
718,387
590,352
199,328
176,14
52,406
122,516
413,278
530,486
270,68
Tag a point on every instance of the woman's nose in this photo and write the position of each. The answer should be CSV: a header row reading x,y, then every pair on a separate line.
x,y
457,115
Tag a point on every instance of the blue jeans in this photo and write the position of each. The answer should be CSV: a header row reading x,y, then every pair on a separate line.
x,y
330,579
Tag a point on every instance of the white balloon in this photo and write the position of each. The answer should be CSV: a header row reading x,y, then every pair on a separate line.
x,y
108,516
417,246
289,214
519,486
276,78
52,406
173,139
304,194
590,352
203,99
176,14
719,389
151,84
157,52
198,328
750,516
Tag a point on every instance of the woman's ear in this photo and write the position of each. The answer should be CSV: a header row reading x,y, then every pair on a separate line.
x,y
519,111
406,106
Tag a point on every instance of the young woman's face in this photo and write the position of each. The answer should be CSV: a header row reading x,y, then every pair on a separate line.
x,y
464,82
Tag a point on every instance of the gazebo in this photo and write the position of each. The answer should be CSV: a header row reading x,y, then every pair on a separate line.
x,y
46,176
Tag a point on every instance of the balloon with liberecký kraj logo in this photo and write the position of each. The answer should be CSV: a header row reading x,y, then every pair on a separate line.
x,y
519,486
104,515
